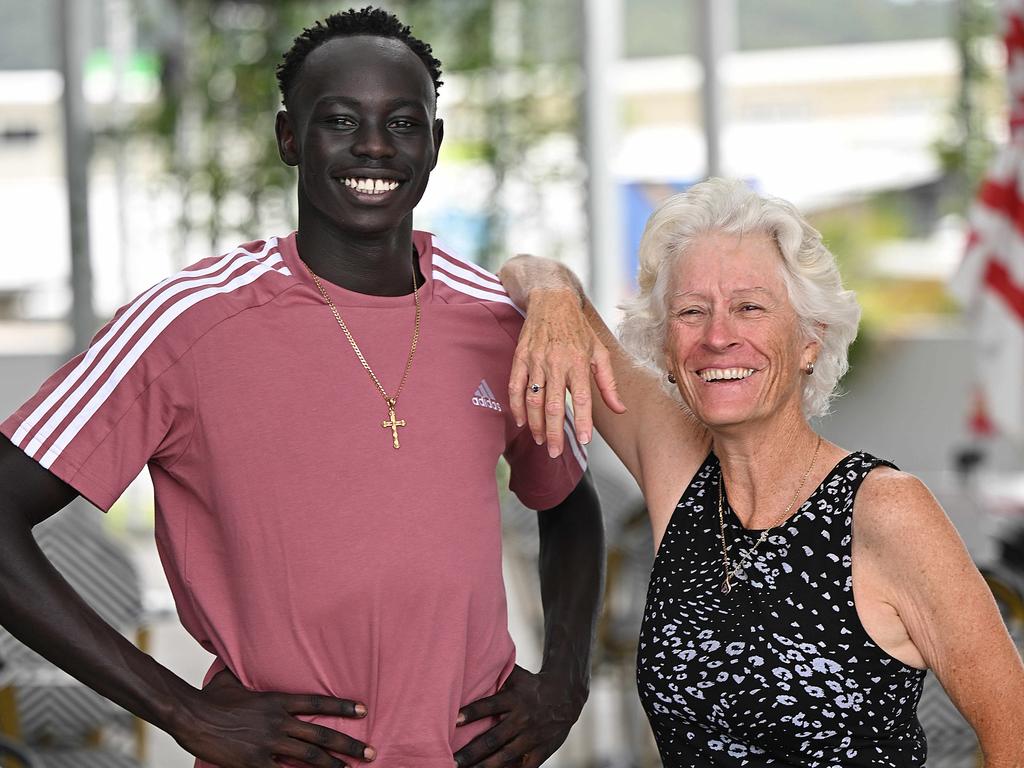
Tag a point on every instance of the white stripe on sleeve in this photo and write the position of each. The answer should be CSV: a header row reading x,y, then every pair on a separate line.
x,y
441,252
475,292
108,386
94,351
465,274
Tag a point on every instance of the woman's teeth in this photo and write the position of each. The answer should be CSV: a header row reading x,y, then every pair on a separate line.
x,y
720,374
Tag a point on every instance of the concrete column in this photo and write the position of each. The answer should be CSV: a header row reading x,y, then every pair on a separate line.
x,y
73,22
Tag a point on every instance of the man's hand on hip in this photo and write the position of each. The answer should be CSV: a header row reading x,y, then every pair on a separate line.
x,y
234,727
535,714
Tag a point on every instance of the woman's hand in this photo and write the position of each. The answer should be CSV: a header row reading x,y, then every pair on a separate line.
x,y
558,351
233,727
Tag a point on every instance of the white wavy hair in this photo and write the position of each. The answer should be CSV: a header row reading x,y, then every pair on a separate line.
x,y
827,312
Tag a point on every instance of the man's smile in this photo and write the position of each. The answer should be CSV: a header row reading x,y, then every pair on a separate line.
x,y
370,186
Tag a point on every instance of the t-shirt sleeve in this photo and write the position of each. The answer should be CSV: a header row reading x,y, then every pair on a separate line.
x,y
539,481
125,401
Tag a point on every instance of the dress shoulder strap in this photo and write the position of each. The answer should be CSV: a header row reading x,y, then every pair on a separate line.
x,y
858,465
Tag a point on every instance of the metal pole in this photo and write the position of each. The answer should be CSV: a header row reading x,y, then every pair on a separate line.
x,y
602,43
72,21
717,38
120,37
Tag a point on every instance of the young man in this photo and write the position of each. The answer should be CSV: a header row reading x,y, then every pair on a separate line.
x,y
320,419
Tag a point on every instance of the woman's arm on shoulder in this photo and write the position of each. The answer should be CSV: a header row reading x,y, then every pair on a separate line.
x,y
565,345
912,553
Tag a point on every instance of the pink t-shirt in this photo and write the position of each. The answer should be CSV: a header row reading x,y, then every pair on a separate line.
x,y
303,550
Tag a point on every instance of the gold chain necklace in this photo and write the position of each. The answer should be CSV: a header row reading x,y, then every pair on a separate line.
x,y
391,422
728,569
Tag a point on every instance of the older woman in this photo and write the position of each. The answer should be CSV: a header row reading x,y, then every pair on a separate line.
x,y
800,591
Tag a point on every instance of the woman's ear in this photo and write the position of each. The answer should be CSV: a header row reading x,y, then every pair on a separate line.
x,y
813,348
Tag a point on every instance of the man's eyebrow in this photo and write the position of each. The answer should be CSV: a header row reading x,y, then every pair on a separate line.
x,y
396,103
327,100
348,101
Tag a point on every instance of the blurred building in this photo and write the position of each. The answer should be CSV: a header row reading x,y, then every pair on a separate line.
x,y
814,125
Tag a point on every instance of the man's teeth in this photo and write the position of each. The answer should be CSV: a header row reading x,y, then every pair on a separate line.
x,y
718,374
371,186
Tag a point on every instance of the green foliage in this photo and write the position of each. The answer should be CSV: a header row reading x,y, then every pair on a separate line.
x,y
851,233
854,230
965,151
215,116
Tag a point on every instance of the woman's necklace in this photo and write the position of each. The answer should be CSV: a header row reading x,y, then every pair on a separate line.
x,y
391,422
729,570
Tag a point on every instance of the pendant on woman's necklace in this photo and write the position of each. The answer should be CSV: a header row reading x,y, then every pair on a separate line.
x,y
726,587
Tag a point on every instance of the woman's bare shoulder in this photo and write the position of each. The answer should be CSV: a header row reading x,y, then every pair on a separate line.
x,y
896,512
890,497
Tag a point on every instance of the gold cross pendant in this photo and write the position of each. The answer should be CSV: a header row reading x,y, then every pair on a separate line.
x,y
392,423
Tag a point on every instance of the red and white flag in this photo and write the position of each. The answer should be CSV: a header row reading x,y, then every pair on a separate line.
x,y
990,281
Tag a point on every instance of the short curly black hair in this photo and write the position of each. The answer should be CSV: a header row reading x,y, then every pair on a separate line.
x,y
365,21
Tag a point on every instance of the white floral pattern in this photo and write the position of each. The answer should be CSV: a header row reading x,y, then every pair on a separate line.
x,y
780,671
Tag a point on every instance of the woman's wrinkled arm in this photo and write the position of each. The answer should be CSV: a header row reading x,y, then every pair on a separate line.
x,y
946,607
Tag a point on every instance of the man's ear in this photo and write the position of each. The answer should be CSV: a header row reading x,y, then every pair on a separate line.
x,y
287,144
438,138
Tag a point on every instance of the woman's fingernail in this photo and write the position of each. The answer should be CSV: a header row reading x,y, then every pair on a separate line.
x,y
369,753
360,710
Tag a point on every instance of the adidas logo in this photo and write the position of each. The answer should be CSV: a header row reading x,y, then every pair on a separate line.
x,y
484,397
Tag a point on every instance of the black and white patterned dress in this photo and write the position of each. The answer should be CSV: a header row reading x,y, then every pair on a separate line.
x,y
779,671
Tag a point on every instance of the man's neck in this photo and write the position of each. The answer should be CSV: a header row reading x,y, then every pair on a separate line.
x,y
378,265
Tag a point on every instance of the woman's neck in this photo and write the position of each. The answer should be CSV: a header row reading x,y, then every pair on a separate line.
x,y
764,467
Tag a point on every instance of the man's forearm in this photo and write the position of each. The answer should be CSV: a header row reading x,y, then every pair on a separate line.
x,y
572,567
42,610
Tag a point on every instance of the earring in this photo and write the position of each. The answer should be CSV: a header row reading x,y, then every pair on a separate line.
x,y
671,378
810,368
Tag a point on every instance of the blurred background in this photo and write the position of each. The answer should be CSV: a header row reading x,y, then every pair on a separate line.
x,y
136,136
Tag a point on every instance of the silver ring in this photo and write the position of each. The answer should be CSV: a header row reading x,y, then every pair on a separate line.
x,y
535,388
